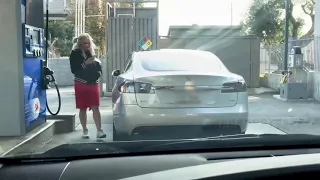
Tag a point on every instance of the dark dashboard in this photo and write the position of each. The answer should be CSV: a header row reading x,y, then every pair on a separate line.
x,y
220,165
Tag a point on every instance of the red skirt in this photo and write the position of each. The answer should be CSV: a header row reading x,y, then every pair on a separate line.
x,y
87,95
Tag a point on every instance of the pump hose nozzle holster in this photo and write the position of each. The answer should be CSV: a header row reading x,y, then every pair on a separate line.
x,y
47,77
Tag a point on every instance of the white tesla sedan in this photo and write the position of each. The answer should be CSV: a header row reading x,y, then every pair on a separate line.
x,y
177,93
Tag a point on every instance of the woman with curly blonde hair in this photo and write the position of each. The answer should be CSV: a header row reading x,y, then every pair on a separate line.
x,y
87,71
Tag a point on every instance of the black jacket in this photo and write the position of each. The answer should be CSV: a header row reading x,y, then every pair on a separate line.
x,y
88,74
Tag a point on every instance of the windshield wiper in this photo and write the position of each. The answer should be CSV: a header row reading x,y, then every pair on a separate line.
x,y
238,141
242,136
228,136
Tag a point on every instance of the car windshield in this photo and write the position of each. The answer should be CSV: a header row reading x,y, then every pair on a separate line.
x,y
125,76
179,62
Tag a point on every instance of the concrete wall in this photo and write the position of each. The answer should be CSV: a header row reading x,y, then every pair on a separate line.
x,y
185,31
241,55
62,72
271,81
314,85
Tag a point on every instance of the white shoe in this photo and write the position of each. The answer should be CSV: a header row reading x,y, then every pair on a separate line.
x,y
101,134
85,134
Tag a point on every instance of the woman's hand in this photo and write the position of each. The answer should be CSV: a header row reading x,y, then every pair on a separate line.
x,y
89,61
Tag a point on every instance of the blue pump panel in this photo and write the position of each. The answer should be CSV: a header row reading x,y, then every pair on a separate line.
x,y
34,96
33,56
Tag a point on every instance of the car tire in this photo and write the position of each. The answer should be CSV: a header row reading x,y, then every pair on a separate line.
x,y
119,137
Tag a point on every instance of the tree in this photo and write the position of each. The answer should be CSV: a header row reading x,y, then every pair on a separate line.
x,y
95,22
60,37
95,18
309,8
61,33
265,20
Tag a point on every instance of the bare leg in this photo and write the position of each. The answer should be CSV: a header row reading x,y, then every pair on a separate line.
x,y
83,121
83,118
96,117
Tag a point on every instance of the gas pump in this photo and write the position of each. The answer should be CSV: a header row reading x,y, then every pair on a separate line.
x,y
37,76
294,81
34,94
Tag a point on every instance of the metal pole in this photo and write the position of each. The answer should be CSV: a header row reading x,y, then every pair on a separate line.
x,y
158,28
231,13
286,35
134,8
81,16
76,19
84,16
47,31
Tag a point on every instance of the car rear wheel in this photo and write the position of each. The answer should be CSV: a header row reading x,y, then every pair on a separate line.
x,y
119,137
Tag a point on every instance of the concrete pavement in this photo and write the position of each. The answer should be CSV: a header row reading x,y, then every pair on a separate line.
x,y
264,110
290,117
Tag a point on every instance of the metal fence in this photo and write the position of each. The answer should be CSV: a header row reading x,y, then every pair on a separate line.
x,y
271,57
123,35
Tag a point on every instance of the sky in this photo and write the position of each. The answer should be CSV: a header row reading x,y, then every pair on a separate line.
x,y
201,12
207,12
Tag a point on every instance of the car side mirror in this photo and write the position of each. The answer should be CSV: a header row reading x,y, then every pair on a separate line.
x,y
115,72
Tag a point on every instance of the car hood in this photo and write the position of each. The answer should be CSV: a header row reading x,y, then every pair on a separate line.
x,y
123,147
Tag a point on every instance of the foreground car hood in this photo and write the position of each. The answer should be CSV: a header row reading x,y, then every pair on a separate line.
x,y
91,147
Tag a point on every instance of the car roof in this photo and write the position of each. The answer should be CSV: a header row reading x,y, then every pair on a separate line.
x,y
186,55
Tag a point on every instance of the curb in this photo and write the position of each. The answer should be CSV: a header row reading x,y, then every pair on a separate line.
x,y
44,135
39,137
267,92
257,91
293,100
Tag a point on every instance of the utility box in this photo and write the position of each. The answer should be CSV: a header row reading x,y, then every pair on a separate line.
x,y
295,88
294,91
295,59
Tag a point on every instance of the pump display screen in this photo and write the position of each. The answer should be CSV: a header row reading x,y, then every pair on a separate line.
x,y
35,36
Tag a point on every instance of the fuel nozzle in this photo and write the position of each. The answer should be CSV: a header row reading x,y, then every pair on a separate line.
x,y
47,77
47,71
